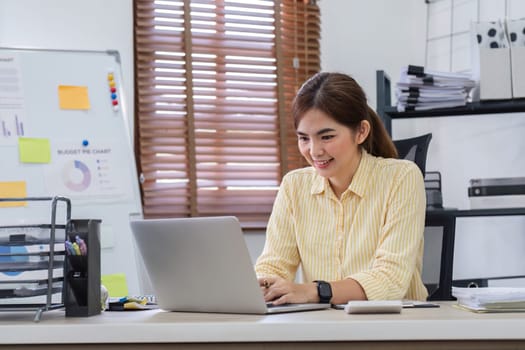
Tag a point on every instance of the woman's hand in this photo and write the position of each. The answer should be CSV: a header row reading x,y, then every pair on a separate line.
x,y
280,291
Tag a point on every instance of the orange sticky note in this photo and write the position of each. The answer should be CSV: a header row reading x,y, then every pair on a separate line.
x,y
12,189
73,97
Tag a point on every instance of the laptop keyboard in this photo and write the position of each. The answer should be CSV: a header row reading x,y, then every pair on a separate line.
x,y
270,305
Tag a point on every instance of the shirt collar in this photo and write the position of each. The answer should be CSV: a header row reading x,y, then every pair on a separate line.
x,y
319,184
362,175
359,181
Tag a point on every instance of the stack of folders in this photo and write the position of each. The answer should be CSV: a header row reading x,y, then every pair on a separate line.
x,y
420,89
490,299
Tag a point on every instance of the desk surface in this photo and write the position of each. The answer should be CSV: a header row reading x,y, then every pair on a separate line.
x,y
156,326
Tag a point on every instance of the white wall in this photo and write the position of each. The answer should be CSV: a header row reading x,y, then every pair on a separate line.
x,y
359,37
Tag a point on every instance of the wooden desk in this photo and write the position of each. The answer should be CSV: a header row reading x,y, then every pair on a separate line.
x,y
446,327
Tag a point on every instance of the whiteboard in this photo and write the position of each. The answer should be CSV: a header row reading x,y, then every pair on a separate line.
x,y
61,102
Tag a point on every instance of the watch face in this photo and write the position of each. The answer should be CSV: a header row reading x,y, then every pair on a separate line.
x,y
325,291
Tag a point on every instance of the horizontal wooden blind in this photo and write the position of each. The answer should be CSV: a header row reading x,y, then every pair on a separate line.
x,y
214,81
298,59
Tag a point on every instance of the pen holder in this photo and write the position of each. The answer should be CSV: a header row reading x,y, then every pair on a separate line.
x,y
82,269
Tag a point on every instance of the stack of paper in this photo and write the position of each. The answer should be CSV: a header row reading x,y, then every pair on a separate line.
x,y
24,271
419,89
491,299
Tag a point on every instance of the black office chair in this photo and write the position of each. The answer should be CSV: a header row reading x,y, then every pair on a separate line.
x,y
414,149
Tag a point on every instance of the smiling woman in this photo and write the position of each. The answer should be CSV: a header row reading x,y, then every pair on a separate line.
x,y
354,219
213,77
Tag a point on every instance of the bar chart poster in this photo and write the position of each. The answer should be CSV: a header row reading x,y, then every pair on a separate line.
x,y
87,172
12,115
12,126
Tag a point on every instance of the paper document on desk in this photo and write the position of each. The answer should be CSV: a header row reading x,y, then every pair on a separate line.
x,y
491,299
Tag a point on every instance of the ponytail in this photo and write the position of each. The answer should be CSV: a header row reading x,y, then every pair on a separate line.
x,y
378,142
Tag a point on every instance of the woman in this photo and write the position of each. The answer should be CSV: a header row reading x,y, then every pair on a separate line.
x,y
354,219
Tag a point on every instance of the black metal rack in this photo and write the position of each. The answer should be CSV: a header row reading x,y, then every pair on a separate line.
x,y
18,260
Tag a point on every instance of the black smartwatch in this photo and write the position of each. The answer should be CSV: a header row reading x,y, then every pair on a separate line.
x,y
324,290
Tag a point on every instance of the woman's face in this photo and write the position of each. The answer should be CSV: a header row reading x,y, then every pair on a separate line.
x,y
331,148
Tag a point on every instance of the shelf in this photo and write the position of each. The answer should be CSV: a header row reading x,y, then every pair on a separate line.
x,y
387,112
476,212
484,107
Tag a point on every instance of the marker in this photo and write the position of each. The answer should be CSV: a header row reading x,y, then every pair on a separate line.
x,y
76,248
69,248
82,245
85,143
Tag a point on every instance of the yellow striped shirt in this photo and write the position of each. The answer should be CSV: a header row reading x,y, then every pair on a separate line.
x,y
373,234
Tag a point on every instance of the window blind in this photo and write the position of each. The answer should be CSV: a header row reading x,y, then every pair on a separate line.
x,y
214,81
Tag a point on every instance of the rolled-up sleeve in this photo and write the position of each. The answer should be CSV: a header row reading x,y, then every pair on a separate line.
x,y
280,255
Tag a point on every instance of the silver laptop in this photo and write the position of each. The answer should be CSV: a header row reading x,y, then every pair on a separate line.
x,y
203,265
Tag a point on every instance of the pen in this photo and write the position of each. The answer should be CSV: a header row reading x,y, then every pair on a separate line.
x,y
76,248
69,248
406,305
82,245
419,305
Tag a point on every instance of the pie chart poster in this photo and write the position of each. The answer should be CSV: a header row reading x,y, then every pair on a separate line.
x,y
88,172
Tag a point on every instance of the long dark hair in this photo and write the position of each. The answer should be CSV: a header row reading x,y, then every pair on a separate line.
x,y
340,97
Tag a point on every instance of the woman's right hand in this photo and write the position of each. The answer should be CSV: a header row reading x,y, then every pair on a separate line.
x,y
280,291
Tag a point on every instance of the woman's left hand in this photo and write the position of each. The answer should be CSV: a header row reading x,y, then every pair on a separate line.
x,y
280,291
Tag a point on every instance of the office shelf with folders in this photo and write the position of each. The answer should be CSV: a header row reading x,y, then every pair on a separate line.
x,y
32,258
388,112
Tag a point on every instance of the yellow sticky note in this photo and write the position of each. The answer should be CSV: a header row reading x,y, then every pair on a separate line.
x,y
33,150
13,189
73,97
115,284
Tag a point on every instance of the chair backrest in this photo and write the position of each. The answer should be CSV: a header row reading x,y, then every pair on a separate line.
x,y
414,149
